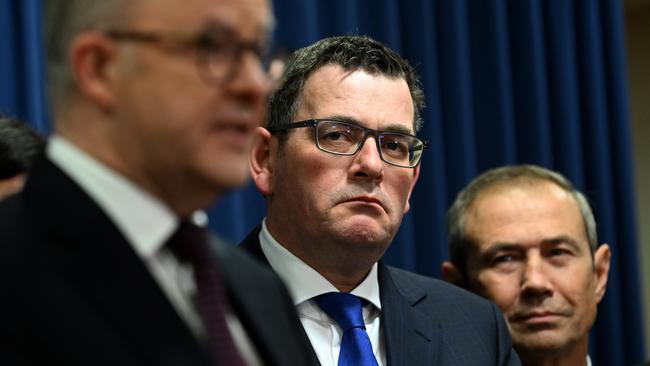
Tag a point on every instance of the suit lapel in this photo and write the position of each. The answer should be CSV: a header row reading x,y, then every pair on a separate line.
x,y
97,262
251,244
412,337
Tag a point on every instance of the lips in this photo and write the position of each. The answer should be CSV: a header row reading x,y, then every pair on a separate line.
x,y
368,200
537,316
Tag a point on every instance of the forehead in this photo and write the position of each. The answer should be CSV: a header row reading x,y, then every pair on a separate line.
x,y
374,100
526,213
247,18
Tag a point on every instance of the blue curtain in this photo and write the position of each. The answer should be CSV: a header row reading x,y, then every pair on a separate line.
x,y
521,81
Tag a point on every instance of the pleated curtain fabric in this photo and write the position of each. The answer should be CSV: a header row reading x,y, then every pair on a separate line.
x,y
506,82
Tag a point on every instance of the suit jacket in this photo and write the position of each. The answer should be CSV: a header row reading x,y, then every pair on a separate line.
x,y
74,292
430,322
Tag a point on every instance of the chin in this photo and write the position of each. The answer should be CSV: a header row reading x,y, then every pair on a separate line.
x,y
543,343
370,236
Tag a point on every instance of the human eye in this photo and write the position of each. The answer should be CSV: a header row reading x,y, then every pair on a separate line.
x,y
559,255
396,145
556,252
211,44
504,262
503,258
336,133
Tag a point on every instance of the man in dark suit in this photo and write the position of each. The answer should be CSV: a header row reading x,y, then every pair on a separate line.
x,y
103,260
525,238
337,164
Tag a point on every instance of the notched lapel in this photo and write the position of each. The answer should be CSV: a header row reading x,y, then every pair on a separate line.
x,y
95,261
412,336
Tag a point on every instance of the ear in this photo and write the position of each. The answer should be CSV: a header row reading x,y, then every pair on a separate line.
x,y
451,274
416,175
92,56
262,160
602,259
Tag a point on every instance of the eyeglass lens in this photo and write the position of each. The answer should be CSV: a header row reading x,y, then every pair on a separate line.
x,y
343,138
220,56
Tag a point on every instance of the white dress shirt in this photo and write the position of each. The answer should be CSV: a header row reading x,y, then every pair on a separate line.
x,y
147,224
304,283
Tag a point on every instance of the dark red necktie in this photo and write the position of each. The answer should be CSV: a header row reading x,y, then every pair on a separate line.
x,y
190,244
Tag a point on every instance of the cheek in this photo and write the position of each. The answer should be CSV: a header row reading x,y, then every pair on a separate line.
x,y
502,290
577,286
400,187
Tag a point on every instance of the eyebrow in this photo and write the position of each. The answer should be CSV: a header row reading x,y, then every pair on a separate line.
x,y
506,246
564,239
393,127
498,247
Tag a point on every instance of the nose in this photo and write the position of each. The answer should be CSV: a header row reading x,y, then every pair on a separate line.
x,y
535,281
367,162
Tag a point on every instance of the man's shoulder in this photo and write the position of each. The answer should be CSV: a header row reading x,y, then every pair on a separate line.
x,y
430,285
441,297
473,327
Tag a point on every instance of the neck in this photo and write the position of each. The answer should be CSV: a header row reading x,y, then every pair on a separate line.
x,y
344,269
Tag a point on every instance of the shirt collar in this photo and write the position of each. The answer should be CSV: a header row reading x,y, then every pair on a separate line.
x,y
303,281
144,220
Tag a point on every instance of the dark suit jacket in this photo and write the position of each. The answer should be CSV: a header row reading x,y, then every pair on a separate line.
x,y
74,292
429,322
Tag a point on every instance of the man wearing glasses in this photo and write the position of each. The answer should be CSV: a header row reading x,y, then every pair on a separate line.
x,y
337,163
102,260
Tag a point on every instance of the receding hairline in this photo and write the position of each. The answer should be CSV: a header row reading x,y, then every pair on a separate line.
x,y
527,184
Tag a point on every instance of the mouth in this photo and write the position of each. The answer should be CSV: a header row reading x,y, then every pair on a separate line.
x,y
537,317
236,134
367,200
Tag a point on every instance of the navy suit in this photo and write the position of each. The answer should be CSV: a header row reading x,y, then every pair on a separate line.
x,y
74,292
430,322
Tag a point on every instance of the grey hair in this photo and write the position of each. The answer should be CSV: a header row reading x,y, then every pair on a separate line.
x,y
63,20
460,242
351,53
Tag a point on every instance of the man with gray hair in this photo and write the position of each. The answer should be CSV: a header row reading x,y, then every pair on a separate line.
x,y
525,238
103,257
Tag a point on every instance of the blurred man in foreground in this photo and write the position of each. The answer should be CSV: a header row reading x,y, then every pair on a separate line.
x,y
102,260
523,237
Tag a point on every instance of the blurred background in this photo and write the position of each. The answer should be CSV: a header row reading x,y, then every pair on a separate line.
x,y
560,83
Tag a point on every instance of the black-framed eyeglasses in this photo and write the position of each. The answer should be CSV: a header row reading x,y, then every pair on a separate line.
x,y
343,138
218,54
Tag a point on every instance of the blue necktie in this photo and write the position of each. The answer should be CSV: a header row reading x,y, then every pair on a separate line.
x,y
345,309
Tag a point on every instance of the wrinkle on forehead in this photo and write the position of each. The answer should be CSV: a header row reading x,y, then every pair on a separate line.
x,y
331,85
252,17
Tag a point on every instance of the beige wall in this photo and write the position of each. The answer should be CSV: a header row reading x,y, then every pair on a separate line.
x,y
637,18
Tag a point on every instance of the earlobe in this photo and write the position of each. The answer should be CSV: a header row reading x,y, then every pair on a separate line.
x,y
451,274
602,259
262,160
92,56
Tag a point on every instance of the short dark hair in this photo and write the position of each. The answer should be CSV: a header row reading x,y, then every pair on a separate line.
x,y
351,53
460,242
19,147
